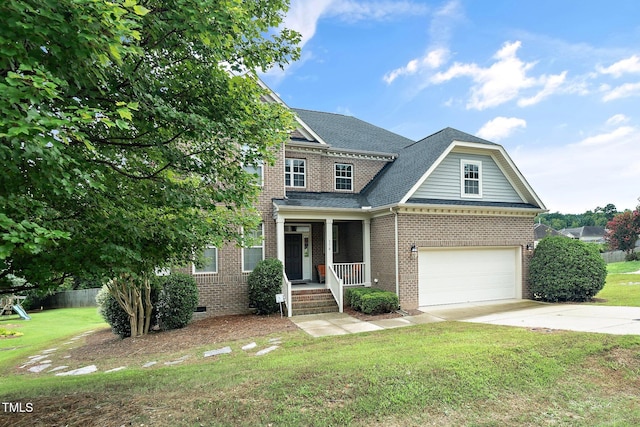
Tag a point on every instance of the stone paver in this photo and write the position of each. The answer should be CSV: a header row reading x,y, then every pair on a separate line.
x,y
40,368
249,346
223,350
80,371
267,350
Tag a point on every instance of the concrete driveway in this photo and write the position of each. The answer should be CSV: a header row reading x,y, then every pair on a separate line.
x,y
531,314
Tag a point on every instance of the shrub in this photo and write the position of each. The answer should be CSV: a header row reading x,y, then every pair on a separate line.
x,y
371,300
379,302
631,256
566,270
177,300
353,296
264,282
113,314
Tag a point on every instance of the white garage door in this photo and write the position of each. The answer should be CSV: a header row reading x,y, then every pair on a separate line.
x,y
449,276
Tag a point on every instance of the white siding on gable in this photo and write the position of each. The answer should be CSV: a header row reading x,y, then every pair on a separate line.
x,y
444,182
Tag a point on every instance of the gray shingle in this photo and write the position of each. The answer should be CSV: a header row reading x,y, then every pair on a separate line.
x,y
347,132
397,178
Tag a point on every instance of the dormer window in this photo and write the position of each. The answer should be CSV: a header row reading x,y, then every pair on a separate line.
x,y
471,178
294,172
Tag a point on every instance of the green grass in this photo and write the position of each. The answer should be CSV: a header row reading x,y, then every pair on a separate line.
x,y
623,267
621,288
447,373
44,329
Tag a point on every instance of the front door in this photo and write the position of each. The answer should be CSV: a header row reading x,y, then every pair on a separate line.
x,y
293,256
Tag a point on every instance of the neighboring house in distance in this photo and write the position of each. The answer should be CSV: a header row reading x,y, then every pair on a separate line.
x,y
442,220
589,234
540,231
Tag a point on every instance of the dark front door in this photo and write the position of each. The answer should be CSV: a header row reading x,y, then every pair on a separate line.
x,y
293,256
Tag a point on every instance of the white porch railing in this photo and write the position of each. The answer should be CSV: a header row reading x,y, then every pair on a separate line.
x,y
351,273
286,291
335,284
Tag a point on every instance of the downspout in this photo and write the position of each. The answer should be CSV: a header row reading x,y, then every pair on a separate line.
x,y
397,254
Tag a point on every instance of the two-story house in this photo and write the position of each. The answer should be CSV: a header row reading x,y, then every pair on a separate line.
x,y
446,219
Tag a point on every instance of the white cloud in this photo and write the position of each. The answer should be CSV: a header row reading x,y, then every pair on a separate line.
x,y
580,176
609,138
551,85
623,91
431,60
617,119
497,84
500,127
303,17
624,66
438,53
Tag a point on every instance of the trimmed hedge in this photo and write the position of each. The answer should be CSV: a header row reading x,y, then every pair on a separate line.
x,y
371,300
565,269
113,314
264,282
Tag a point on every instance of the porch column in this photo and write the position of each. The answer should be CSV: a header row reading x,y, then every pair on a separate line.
x,y
280,238
328,242
366,250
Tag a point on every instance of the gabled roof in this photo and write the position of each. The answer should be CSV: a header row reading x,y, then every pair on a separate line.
x,y
541,231
584,232
349,133
396,181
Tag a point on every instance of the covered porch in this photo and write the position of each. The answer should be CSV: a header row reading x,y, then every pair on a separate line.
x,y
323,252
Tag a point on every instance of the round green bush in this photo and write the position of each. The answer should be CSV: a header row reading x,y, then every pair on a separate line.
x,y
113,314
177,300
563,269
264,282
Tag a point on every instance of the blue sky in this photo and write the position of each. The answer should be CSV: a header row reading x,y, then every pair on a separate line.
x,y
557,83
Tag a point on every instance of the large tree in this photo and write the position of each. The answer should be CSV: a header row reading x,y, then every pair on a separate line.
x,y
125,127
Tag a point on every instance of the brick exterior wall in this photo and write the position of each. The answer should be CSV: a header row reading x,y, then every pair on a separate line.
x,y
383,253
225,292
429,230
320,171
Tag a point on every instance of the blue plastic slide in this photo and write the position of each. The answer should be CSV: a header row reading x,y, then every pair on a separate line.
x,y
21,312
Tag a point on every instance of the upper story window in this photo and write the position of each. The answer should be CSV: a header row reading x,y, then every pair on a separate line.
x,y
344,176
258,171
471,178
295,171
210,261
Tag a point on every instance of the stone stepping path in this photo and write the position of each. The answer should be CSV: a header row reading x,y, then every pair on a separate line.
x,y
39,363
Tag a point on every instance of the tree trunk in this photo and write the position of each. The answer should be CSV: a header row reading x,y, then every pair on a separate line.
x,y
129,293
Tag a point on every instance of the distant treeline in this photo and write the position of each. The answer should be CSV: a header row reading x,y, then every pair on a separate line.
x,y
597,217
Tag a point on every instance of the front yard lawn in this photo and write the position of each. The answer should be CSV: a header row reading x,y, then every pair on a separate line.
x,y
448,373
622,287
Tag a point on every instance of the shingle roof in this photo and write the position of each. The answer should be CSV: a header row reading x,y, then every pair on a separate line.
x,y
397,178
348,132
323,200
541,231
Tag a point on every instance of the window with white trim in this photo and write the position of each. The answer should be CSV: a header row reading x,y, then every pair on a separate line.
x,y
471,178
252,255
344,176
295,172
210,261
257,170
